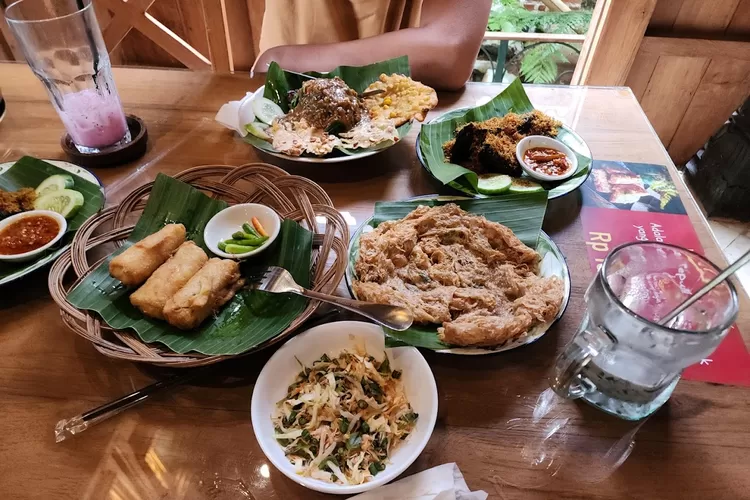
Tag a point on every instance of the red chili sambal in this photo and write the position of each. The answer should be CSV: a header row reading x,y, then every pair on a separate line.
x,y
27,234
547,161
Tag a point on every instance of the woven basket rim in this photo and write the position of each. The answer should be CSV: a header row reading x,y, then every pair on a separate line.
x,y
289,195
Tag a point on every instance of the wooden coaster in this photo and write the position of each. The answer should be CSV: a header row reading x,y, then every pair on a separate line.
x,y
115,155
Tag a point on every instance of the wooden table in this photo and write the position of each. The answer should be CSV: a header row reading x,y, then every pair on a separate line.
x,y
197,442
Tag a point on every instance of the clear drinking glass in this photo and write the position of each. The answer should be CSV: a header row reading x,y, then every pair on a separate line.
x,y
621,360
63,45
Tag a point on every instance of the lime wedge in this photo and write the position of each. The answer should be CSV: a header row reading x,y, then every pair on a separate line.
x,y
258,129
55,183
520,185
494,183
65,202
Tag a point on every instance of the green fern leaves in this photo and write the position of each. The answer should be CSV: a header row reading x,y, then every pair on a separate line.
x,y
539,63
539,60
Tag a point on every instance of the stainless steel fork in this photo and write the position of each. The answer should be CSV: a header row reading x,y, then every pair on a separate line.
x,y
278,280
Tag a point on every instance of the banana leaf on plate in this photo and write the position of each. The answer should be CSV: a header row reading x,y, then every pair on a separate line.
x,y
513,99
30,172
280,82
522,213
248,320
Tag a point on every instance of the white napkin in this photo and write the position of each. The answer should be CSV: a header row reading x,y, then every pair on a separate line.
x,y
444,482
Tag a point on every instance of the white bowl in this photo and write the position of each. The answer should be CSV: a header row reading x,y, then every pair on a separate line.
x,y
22,257
540,141
332,338
230,220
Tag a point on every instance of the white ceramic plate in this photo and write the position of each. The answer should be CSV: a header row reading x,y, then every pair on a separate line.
x,y
312,159
332,338
553,264
73,169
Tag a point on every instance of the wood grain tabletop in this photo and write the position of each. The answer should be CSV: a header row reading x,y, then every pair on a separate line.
x,y
197,442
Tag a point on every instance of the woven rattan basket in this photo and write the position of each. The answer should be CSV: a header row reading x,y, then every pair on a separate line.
x,y
291,196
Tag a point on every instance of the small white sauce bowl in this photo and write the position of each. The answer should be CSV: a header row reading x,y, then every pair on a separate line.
x,y
26,256
540,141
230,220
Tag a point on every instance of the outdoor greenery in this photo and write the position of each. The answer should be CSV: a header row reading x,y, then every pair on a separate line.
x,y
539,61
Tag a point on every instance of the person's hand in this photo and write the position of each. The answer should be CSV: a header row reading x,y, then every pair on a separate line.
x,y
261,64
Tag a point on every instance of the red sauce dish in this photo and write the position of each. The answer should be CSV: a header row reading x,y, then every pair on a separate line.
x,y
24,236
546,159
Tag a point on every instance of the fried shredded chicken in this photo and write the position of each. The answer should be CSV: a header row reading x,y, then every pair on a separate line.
x,y
13,202
490,145
472,276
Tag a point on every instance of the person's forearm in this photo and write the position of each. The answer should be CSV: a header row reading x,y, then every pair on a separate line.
x,y
447,71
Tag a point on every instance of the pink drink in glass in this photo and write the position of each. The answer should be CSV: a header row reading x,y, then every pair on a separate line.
x,y
93,120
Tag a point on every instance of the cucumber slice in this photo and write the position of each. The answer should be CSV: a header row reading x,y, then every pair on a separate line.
x,y
494,183
55,183
65,202
520,185
266,110
258,129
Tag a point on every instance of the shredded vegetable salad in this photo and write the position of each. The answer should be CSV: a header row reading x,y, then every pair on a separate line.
x,y
343,417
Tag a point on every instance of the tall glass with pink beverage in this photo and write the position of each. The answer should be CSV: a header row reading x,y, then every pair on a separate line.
x,y
63,45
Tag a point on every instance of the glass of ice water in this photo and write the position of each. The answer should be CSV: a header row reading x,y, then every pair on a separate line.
x,y
621,360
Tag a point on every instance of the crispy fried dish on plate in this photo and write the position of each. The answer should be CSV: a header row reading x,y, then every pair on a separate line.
x,y
403,99
327,114
473,277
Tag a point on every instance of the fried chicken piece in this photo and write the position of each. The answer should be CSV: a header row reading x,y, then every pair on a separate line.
x,y
472,276
490,145
13,202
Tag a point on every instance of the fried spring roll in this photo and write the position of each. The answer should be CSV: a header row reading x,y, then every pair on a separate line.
x,y
168,279
209,289
137,263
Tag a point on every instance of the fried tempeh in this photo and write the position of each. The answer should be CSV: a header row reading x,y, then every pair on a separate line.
x,y
167,280
209,289
137,263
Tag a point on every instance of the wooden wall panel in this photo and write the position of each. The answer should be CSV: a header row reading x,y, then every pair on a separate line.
x,y
669,92
255,10
724,86
138,50
241,34
641,73
185,18
10,48
173,33
612,42
687,97
665,14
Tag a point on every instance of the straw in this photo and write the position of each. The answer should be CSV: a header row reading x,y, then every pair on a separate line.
x,y
726,273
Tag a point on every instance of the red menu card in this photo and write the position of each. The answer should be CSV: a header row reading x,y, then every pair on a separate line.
x,y
625,202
